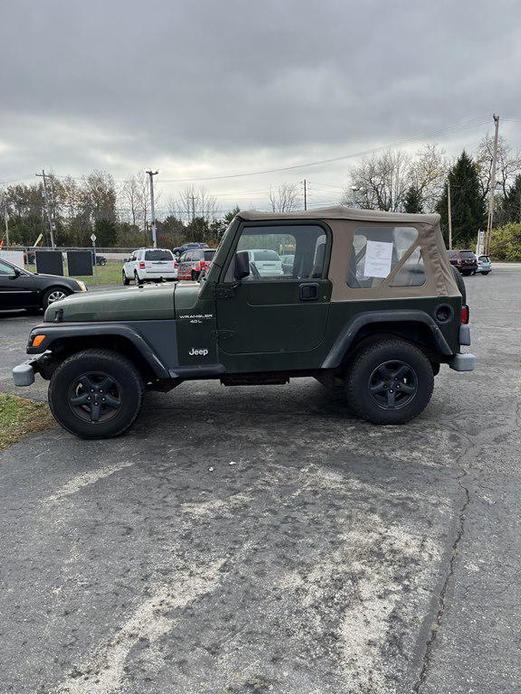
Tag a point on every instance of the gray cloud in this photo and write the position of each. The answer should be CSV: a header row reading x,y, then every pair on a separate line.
x,y
217,87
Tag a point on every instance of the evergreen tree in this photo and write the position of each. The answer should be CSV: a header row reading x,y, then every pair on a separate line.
x,y
413,200
510,210
468,206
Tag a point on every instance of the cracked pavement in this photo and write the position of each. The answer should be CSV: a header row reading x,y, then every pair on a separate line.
x,y
260,540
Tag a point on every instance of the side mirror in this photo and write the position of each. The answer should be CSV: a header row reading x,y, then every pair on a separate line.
x,y
242,265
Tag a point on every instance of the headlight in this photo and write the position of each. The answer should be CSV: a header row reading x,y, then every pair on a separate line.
x,y
82,285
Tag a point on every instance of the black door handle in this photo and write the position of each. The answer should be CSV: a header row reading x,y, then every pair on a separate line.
x,y
308,291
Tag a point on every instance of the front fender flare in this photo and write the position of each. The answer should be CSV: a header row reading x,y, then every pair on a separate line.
x,y
64,331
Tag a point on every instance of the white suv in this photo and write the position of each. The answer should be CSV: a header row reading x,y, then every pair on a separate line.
x,y
149,265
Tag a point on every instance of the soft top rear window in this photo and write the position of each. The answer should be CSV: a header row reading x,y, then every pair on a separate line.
x,y
266,255
208,255
466,254
158,255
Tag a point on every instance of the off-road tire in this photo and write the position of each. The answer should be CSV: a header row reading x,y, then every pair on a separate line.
x,y
100,361
195,276
46,299
486,272
367,361
125,279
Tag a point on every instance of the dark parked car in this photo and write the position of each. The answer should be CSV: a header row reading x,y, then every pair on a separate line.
x,y
187,246
465,261
20,289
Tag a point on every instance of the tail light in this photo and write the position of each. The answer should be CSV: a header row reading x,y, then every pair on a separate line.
x,y
142,265
465,314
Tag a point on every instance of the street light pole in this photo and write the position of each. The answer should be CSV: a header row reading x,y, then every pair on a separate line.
x,y
50,216
449,214
152,211
491,197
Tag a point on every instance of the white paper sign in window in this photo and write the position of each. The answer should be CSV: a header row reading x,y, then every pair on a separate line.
x,y
378,259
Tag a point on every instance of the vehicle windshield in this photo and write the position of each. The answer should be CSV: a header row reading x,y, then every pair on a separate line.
x,y
158,255
266,255
484,258
208,255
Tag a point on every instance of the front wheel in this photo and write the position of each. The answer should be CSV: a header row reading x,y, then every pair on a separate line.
x,y
390,382
96,394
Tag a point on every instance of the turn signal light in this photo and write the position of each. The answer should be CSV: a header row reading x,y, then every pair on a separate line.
x,y
38,339
465,314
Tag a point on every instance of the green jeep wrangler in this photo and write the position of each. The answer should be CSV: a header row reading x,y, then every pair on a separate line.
x,y
365,301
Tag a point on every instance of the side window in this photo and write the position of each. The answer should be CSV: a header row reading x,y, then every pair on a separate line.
x,y
6,269
283,252
412,272
375,253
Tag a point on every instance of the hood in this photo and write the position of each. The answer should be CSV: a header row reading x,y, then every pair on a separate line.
x,y
136,303
186,295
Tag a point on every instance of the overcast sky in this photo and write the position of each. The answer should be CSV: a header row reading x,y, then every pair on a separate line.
x,y
202,88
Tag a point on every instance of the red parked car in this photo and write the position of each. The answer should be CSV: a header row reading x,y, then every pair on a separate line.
x,y
465,261
194,262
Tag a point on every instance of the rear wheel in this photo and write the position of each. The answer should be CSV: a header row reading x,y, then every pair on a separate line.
x,y
390,382
485,272
54,294
125,279
96,394
195,276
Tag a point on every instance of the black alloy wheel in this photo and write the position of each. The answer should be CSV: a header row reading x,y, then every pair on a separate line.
x,y
393,384
95,397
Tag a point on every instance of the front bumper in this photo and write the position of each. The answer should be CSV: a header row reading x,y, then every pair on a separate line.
x,y
23,374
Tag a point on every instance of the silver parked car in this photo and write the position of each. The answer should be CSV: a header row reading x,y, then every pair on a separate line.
x,y
484,264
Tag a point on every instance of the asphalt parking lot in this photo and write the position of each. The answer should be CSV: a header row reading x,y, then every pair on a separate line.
x,y
260,540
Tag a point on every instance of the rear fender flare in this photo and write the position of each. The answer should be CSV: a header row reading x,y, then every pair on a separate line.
x,y
346,338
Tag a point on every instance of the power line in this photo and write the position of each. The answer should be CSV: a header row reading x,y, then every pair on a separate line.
x,y
353,155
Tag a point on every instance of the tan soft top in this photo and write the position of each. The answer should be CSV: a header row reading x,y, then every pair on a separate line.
x,y
341,212
344,221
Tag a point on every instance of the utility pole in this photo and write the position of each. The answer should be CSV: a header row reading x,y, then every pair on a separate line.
x,y
6,228
449,214
305,194
491,196
152,211
47,206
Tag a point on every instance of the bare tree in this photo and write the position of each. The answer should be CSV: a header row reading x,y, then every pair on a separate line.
x,y
135,196
427,174
192,203
284,199
380,181
507,168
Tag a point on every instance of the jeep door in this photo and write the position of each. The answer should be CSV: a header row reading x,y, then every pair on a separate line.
x,y
276,314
